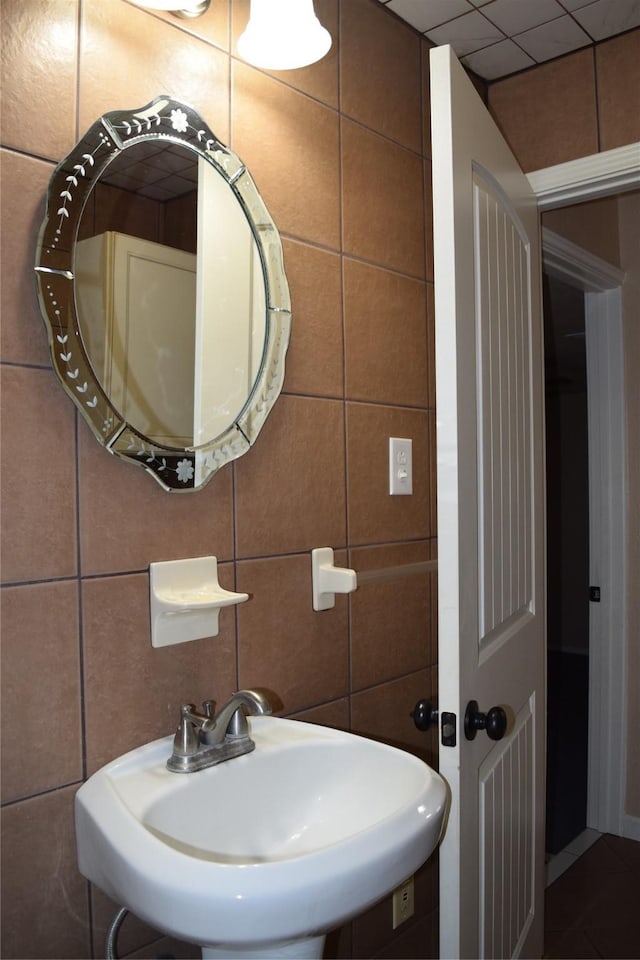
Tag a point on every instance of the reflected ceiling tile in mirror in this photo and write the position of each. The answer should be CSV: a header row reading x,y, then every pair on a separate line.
x,y
165,297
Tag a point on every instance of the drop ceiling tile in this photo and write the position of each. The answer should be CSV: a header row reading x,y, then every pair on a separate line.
x,y
553,39
467,34
607,17
498,60
514,16
425,14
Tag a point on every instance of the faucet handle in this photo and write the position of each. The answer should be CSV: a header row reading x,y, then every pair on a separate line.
x,y
185,742
201,721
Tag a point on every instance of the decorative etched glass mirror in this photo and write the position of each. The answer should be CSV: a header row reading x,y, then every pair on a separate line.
x,y
162,287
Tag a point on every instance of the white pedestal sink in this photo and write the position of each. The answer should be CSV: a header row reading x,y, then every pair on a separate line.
x,y
262,855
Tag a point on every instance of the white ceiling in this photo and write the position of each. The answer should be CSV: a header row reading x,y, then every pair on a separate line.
x,y
497,37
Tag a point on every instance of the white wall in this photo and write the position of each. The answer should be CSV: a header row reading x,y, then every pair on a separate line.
x,y
629,225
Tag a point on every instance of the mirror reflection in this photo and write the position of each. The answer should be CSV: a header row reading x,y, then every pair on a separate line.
x,y
178,306
170,301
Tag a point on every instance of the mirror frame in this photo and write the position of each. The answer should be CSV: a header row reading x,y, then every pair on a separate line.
x,y
177,469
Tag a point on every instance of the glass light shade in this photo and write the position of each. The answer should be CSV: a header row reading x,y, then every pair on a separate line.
x,y
283,35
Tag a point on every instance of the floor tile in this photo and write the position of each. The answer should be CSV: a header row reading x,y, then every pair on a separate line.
x,y
592,909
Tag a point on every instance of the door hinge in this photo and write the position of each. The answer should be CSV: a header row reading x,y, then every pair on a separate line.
x,y
594,594
448,730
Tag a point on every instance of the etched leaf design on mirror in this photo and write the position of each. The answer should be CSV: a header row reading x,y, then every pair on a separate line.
x,y
115,148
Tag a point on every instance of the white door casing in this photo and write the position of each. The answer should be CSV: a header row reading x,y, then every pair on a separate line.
x,y
491,591
603,174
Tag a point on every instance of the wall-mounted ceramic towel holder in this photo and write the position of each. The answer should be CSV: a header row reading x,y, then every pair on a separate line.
x,y
327,579
186,599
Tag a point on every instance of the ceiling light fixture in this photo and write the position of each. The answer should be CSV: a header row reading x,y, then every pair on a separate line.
x,y
283,35
179,8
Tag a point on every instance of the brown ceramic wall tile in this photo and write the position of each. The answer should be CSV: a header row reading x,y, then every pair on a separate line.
x,y
618,75
333,714
383,712
426,99
167,947
44,899
390,622
592,225
284,645
374,515
419,939
433,468
431,345
428,218
39,43
120,66
212,26
290,489
154,525
374,928
38,477
315,359
319,80
369,35
290,144
434,617
24,187
338,942
385,336
135,937
133,691
548,115
382,220
40,688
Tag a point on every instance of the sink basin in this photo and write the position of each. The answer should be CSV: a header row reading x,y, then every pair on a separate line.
x,y
261,855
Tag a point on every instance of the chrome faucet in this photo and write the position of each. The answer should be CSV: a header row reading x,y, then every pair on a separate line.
x,y
204,739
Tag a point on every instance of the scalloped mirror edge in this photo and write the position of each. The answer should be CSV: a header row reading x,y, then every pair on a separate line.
x,y
176,468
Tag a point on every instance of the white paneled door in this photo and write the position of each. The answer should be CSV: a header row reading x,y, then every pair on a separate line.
x,y
491,592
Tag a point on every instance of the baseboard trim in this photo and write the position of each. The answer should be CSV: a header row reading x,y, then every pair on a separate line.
x,y
631,827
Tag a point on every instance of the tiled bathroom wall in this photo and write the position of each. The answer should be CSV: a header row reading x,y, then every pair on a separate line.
x,y
580,104
341,157
340,152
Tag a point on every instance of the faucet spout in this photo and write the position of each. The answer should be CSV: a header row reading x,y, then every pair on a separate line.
x,y
231,722
203,739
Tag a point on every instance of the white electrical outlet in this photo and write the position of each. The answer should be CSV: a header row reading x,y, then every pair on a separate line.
x,y
403,902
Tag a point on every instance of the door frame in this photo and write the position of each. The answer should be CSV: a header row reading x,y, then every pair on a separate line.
x,y
600,175
601,285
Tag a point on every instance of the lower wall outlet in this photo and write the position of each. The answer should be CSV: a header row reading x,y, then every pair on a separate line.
x,y
402,902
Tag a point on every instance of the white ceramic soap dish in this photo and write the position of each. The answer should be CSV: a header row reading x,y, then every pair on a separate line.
x,y
186,599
